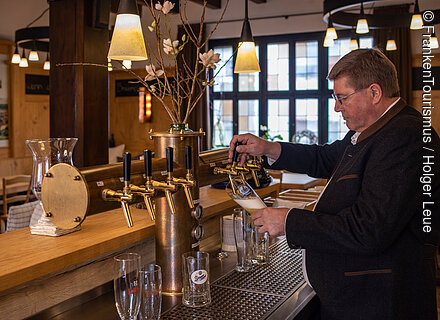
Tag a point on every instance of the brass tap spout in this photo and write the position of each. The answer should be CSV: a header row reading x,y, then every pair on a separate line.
x,y
233,170
125,196
254,165
188,182
147,191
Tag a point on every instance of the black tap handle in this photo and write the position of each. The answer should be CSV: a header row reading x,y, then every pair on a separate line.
x,y
235,156
127,166
147,163
169,152
188,155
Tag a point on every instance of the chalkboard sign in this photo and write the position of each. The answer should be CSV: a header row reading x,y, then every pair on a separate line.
x,y
36,84
127,88
130,87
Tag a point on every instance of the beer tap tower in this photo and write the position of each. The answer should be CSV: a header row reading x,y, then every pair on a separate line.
x,y
177,230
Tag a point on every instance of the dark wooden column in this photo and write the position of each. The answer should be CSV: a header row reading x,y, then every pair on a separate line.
x,y
79,94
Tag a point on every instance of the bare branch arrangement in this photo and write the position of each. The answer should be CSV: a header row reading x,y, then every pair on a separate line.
x,y
181,85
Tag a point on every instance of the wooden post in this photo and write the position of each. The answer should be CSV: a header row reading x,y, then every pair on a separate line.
x,y
79,94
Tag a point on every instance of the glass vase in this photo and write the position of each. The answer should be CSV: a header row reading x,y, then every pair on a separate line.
x,y
46,153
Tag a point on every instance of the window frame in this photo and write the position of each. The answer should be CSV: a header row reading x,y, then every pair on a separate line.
x,y
322,93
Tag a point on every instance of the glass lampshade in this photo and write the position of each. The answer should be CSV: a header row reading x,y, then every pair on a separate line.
x,y
329,42
416,22
15,58
247,61
331,33
46,65
23,63
33,56
362,26
354,44
391,45
127,41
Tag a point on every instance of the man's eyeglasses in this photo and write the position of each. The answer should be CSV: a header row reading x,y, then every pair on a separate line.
x,y
342,99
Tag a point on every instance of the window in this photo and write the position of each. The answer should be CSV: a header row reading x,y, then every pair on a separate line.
x,y
294,103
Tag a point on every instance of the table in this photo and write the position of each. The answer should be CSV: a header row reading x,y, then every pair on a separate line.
x,y
299,181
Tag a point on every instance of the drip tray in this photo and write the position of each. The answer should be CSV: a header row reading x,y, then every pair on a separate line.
x,y
251,295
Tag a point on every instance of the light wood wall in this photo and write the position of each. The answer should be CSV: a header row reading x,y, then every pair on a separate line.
x,y
124,113
435,94
28,118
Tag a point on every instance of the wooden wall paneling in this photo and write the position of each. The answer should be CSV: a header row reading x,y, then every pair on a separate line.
x,y
124,117
30,114
28,119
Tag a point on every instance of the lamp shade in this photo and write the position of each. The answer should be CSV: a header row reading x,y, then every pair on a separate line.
x,y
16,57
354,44
247,61
362,26
391,45
328,42
23,61
33,56
127,41
331,31
416,20
46,65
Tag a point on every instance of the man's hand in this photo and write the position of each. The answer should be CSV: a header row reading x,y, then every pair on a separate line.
x,y
271,220
254,146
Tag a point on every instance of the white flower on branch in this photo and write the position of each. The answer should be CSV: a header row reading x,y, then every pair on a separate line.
x,y
208,59
170,47
152,72
166,7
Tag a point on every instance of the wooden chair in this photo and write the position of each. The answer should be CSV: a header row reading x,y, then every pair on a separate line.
x,y
12,187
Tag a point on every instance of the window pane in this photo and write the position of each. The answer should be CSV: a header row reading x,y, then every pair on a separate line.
x,y
223,80
335,52
248,118
222,130
366,43
249,81
306,65
336,124
278,67
306,121
278,118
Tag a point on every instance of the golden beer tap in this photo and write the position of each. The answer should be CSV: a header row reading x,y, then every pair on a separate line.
x,y
148,190
125,196
167,187
254,165
188,182
233,170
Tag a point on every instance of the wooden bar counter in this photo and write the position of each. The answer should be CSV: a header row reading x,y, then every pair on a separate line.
x,y
37,272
